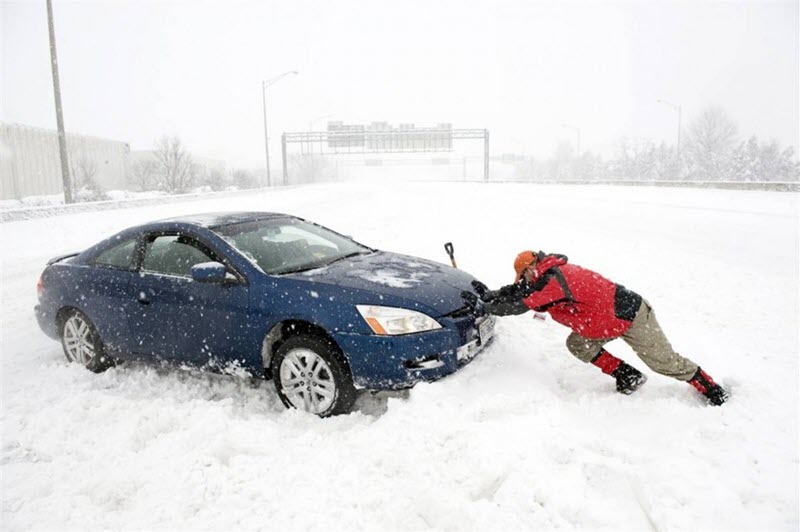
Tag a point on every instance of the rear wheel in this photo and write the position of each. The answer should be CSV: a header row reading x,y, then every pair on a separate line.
x,y
82,344
310,374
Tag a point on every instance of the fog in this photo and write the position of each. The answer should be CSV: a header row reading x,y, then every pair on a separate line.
x,y
134,71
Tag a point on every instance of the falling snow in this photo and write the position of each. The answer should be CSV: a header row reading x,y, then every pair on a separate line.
x,y
525,437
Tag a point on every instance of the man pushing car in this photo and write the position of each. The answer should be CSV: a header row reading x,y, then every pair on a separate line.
x,y
598,311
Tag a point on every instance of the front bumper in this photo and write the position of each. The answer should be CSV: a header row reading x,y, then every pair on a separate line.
x,y
394,362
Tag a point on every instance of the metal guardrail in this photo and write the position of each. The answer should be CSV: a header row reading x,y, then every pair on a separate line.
x,y
44,211
30,213
782,186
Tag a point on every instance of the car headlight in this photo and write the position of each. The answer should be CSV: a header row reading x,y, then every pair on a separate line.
x,y
391,320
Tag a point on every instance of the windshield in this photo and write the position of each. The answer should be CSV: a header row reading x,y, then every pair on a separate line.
x,y
286,245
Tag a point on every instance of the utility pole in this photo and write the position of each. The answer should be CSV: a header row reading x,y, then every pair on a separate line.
x,y
62,137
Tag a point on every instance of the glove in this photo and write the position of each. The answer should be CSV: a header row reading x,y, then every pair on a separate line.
x,y
479,287
470,298
490,295
512,291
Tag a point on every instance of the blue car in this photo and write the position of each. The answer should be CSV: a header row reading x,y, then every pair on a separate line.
x,y
272,294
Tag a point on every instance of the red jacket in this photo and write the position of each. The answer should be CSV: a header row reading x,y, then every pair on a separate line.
x,y
581,299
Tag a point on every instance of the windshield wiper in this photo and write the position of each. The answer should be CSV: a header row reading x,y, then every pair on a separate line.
x,y
337,259
299,269
317,265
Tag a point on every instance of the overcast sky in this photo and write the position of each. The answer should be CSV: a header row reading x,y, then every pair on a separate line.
x,y
135,70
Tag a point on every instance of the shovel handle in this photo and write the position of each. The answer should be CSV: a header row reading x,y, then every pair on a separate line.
x,y
448,247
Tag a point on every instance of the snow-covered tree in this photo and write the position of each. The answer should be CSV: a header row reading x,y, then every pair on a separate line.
x,y
636,160
754,161
711,138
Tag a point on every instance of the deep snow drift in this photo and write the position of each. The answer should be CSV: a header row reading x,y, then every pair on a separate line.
x,y
526,437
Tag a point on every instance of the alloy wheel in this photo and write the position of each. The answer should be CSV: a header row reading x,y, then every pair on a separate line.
x,y
307,381
78,340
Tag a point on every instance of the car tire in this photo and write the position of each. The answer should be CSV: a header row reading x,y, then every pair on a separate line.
x,y
310,374
82,344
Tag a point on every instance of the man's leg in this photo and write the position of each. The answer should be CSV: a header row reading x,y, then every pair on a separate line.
x,y
585,349
647,339
628,378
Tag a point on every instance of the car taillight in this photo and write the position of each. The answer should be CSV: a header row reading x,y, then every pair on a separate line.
x,y
40,286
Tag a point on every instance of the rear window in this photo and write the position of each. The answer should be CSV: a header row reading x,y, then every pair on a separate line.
x,y
119,256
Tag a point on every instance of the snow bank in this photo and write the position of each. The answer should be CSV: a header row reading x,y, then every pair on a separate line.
x,y
525,437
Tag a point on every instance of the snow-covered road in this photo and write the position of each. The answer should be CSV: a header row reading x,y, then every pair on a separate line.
x,y
526,437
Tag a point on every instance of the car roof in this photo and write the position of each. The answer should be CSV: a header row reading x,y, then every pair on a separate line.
x,y
219,219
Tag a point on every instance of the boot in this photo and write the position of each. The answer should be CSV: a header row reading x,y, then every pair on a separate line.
x,y
629,379
704,384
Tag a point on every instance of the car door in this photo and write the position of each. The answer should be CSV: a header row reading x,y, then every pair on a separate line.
x,y
181,319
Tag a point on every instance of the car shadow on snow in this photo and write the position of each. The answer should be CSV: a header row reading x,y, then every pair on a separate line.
x,y
376,404
249,393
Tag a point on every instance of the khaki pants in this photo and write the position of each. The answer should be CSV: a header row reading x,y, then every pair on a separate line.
x,y
648,341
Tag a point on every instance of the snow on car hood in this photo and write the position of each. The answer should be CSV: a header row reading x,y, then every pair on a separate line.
x,y
430,283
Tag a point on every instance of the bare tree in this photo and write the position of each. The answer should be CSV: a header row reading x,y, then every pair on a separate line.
x,y
83,170
243,179
143,174
215,178
712,137
175,170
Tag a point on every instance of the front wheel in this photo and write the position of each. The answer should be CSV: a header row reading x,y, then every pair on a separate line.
x,y
310,374
82,343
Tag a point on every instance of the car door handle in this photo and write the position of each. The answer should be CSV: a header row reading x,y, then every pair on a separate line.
x,y
143,299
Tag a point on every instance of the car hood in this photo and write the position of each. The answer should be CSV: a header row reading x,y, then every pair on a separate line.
x,y
429,283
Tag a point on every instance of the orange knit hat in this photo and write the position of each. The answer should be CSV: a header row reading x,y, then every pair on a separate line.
x,y
523,260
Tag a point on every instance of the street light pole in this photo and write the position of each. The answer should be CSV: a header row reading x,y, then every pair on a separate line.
x,y
264,85
678,147
578,132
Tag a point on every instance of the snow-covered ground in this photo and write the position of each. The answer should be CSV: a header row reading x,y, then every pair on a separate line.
x,y
525,437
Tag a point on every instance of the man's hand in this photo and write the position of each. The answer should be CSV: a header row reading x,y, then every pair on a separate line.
x,y
470,298
490,295
479,287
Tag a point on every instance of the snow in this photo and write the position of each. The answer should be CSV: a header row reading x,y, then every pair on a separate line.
x,y
58,199
390,277
206,267
525,437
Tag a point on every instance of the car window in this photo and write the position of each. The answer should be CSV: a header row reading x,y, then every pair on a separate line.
x,y
293,233
174,255
119,256
286,245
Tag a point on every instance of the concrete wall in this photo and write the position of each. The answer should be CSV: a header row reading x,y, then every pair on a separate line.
x,y
30,165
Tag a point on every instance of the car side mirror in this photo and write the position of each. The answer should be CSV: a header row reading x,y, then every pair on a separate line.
x,y
209,272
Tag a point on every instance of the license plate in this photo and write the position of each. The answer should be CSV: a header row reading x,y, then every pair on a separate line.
x,y
486,330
